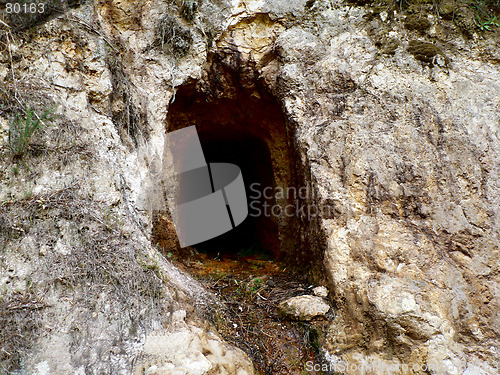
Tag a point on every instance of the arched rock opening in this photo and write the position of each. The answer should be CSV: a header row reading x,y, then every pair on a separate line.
x,y
240,122
249,130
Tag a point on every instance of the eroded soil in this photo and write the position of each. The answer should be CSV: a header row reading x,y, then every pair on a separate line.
x,y
251,289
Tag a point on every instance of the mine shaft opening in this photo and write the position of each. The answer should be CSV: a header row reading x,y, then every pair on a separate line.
x,y
258,234
246,127
240,122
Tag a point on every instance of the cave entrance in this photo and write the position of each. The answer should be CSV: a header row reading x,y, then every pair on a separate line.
x,y
239,122
258,234
247,128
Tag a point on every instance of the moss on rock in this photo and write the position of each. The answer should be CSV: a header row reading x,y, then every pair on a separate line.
x,y
417,22
425,52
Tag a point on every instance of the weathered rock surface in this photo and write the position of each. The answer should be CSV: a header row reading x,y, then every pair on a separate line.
x,y
83,291
320,291
304,307
186,349
405,151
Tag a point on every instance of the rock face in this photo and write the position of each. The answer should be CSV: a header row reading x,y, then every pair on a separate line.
x,y
304,307
186,349
399,140
83,291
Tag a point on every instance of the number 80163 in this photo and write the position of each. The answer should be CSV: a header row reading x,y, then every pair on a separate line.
x,y
25,8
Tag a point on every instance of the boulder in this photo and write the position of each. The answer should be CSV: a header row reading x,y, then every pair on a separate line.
x,y
304,308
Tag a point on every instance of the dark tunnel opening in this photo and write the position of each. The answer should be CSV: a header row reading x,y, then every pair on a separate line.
x,y
245,127
258,234
240,122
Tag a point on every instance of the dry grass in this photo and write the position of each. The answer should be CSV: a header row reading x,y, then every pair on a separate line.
x,y
188,9
276,346
248,316
59,137
173,38
105,257
24,101
102,259
20,322
16,95
127,116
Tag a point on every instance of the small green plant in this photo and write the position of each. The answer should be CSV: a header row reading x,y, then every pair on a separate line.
x,y
256,285
148,264
22,128
248,252
488,23
249,288
253,250
484,14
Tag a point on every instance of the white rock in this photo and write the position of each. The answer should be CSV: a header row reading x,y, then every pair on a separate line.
x,y
320,291
304,307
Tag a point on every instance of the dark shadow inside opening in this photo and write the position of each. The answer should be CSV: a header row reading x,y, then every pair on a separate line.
x,y
245,127
258,234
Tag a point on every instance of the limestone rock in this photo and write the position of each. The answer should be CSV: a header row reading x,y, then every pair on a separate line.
x,y
403,148
320,291
189,350
304,307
